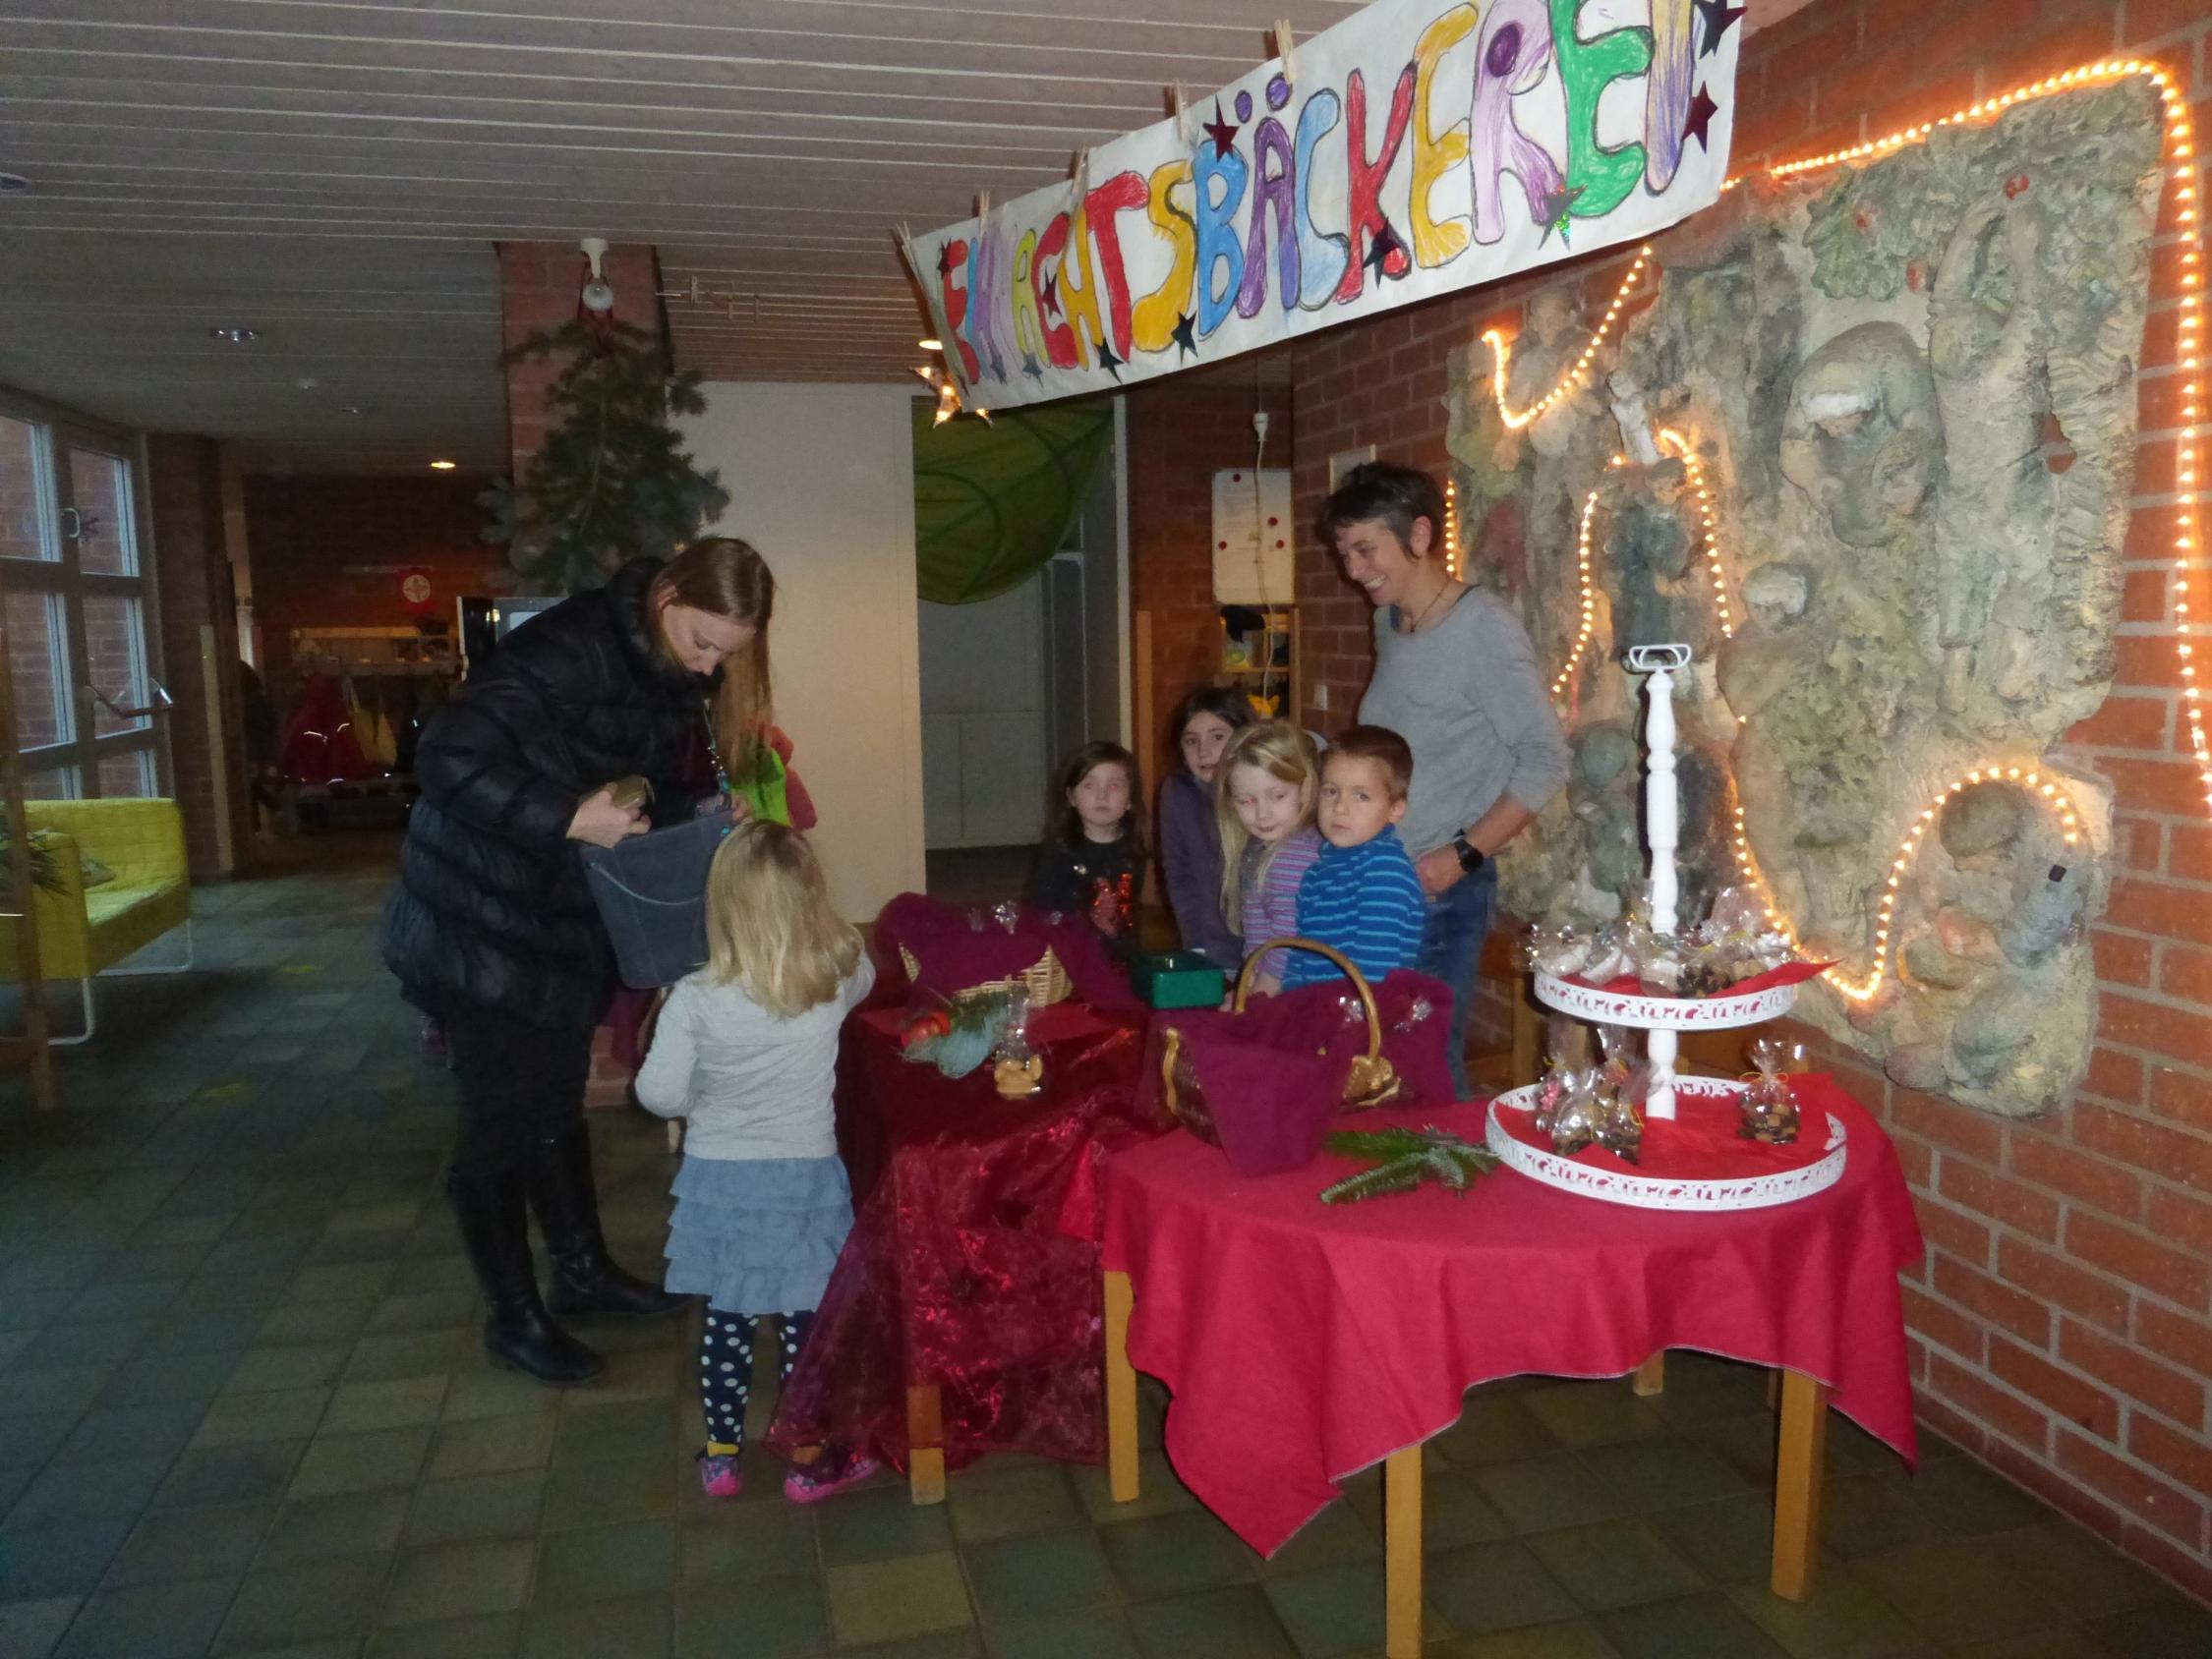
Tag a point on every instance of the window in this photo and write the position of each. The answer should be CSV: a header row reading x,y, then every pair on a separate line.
x,y
82,659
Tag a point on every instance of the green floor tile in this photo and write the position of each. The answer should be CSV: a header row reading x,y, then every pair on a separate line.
x,y
1571,1638
485,1505
640,1628
1659,1473
493,1445
1496,1428
177,1620
33,1629
493,1635
1159,1491
305,1365
1492,1587
1338,1534
238,1418
1332,1613
306,1603
986,1505
586,1494
1234,1623
1614,1564
1702,1627
152,1379
88,1491
1053,1572
1730,1540
880,1526
740,1542
631,1428
230,1474
152,1432
2081,1574
1593,1413
477,1391
359,1463
2167,1630
59,1558
1865,1514
349,1524
1962,1499
1553,1492
1955,1591
776,1617
405,1402
1090,1632
1173,1555
458,1581
885,1600
207,1540
1843,1620
594,1564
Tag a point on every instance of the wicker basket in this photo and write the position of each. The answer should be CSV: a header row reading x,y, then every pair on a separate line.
x,y
1372,1081
1045,980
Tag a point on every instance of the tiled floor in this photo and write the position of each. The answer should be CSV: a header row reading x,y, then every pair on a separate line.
x,y
241,1412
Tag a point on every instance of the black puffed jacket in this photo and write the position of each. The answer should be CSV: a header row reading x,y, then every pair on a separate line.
x,y
493,909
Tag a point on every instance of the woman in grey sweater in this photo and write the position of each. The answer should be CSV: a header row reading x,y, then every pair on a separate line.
x,y
1456,677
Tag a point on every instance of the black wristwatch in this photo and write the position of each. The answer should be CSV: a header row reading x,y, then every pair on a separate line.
x,y
1470,859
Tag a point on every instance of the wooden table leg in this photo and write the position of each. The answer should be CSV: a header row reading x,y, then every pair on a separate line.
x,y
1401,1553
1651,1376
925,1442
1121,1390
1797,1484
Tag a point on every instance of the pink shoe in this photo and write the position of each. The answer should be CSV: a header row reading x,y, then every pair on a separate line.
x,y
718,1474
830,1474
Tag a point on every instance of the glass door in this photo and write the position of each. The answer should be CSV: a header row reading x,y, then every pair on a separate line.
x,y
82,653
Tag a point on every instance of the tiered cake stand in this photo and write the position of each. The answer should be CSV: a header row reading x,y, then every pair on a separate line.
x,y
1663,1019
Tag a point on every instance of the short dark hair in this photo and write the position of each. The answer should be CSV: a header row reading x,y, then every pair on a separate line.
x,y
1224,703
1378,744
1386,491
1066,822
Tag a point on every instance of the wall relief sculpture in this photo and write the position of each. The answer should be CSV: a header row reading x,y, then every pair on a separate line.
x,y
1868,452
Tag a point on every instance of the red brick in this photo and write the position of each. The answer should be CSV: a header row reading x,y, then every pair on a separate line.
x,y
1944,1324
2180,1220
1949,1124
2078,1400
1991,1195
2139,1259
2080,1177
2146,660
1962,1235
2063,1285
2114,1075
2173,787
1999,1303
1986,1406
2184,1098
2167,1334
2185,972
2180,1034
2129,722
2186,1566
2146,20
2143,1380
2150,535
2147,1145
2188,855
2141,1493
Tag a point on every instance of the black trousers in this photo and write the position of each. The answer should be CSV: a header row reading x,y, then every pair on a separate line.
x,y
518,1083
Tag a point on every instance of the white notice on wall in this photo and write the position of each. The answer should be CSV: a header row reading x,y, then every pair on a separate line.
x,y
1251,536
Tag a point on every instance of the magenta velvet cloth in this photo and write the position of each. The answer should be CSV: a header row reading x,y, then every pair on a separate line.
x,y
954,955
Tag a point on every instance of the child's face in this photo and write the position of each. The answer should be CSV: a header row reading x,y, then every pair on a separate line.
x,y
1269,808
1101,800
701,639
1381,563
1204,737
1356,801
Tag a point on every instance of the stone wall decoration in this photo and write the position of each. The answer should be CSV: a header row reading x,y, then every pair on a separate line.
x,y
1868,448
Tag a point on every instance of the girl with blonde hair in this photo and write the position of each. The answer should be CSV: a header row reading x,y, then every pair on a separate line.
x,y
1264,802
745,1053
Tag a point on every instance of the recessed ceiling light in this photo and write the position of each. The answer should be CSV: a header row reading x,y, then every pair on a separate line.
x,y
12,184
931,345
443,466
307,382
351,409
236,337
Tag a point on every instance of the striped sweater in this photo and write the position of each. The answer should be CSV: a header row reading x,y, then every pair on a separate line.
x,y
1270,895
1367,902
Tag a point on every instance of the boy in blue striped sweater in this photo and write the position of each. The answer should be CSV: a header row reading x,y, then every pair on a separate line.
x,y
1361,895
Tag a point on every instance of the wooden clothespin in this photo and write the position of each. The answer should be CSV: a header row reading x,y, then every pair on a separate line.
x,y
1079,179
1283,51
1180,103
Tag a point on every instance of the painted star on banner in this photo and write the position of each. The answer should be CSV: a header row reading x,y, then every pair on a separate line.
x,y
1702,111
1384,245
1048,296
1034,370
1717,15
945,260
1222,133
1186,336
1109,362
1554,215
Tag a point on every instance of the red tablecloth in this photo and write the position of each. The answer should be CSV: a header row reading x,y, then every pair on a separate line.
x,y
956,1272
1304,1343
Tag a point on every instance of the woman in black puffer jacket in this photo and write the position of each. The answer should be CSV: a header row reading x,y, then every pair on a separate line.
x,y
493,931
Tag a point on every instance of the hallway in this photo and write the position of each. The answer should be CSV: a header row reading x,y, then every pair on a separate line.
x,y
241,1411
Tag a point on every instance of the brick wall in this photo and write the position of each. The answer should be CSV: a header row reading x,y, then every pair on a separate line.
x,y
539,283
304,532
1177,439
192,573
2062,1321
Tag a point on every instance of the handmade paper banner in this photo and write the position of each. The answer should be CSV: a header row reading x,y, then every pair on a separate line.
x,y
1411,150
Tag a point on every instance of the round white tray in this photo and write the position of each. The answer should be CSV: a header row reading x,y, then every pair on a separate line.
x,y
1624,1185
1663,1013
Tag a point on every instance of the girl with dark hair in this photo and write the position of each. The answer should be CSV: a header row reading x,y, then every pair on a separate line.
x,y
493,931
1189,831
1091,861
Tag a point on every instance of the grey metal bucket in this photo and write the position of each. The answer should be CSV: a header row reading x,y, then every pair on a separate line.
x,y
652,893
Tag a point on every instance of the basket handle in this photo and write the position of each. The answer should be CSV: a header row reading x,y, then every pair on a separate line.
x,y
1358,981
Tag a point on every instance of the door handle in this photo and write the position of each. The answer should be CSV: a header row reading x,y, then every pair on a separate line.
x,y
163,703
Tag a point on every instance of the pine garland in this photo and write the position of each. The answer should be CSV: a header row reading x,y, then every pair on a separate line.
x,y
612,481
1404,1159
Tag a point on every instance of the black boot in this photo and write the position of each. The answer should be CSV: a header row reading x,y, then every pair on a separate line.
x,y
584,1278
518,1334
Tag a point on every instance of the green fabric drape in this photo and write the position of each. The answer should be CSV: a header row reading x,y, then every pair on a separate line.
x,y
993,502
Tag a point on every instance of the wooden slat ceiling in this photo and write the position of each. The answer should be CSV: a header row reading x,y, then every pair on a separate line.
x,y
333,173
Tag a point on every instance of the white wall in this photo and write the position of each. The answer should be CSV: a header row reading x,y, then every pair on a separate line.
x,y
821,480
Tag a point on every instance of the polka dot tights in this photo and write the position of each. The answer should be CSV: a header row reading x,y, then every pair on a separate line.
x,y
725,1369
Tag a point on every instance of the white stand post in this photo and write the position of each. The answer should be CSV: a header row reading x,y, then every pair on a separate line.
x,y
1662,817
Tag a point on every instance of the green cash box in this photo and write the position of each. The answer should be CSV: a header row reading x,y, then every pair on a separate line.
x,y
1179,979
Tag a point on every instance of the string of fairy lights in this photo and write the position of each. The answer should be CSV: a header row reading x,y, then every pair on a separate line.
x,y
2180,155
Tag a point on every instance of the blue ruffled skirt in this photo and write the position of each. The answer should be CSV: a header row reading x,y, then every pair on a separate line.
x,y
758,1236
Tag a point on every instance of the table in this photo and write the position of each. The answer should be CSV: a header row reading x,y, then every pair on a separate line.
x,y
1305,1343
961,1318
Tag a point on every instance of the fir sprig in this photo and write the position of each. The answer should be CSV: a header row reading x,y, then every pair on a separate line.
x,y
1404,1159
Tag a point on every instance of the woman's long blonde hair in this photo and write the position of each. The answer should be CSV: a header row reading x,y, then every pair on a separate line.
x,y
728,578
769,926
1282,751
